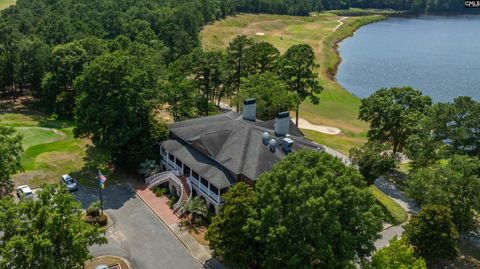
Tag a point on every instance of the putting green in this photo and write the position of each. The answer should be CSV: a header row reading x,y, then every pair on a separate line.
x,y
33,136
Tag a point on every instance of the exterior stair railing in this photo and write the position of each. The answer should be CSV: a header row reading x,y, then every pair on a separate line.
x,y
162,177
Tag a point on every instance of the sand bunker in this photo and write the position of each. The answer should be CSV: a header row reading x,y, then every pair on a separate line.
x,y
304,124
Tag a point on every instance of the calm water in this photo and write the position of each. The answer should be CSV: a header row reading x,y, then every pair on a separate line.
x,y
437,55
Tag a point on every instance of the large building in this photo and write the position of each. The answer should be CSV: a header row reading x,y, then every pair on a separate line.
x,y
210,154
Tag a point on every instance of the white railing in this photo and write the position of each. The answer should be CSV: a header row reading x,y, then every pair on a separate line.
x,y
214,196
162,177
210,194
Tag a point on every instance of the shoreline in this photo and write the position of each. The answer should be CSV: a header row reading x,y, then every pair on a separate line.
x,y
331,73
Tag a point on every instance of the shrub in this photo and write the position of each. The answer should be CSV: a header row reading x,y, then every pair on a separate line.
x,y
159,192
173,200
102,220
94,209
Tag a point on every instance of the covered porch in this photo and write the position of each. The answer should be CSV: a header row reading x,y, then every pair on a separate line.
x,y
204,177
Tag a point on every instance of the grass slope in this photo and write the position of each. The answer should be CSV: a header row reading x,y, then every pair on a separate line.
x,y
394,213
337,107
6,3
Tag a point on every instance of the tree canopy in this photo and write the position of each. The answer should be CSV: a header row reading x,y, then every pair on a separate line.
x,y
454,183
301,216
227,233
10,153
373,160
397,255
298,71
433,233
271,93
45,233
393,114
117,96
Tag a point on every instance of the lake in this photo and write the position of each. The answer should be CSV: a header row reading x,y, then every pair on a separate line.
x,y
439,55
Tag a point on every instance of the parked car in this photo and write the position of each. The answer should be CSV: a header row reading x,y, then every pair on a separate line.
x,y
101,266
69,182
24,192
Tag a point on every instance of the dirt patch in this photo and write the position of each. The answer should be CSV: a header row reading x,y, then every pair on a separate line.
x,y
199,235
31,178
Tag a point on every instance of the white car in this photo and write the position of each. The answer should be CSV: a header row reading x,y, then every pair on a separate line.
x,y
69,182
24,192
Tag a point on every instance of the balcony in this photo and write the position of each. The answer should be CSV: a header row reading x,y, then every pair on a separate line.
x,y
205,191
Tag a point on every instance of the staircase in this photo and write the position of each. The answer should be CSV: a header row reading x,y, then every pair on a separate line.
x,y
166,176
186,194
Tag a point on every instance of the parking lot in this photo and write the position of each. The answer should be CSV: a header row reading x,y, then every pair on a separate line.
x,y
137,234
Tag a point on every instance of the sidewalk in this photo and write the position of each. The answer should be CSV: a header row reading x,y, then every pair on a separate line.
x,y
159,206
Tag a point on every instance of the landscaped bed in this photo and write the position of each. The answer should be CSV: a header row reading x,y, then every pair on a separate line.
x,y
110,261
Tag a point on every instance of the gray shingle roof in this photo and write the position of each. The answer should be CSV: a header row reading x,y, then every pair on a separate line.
x,y
235,143
200,163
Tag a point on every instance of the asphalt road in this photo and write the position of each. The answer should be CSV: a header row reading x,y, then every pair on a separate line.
x,y
137,234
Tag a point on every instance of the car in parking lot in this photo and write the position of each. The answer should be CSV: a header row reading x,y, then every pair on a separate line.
x,y
69,182
24,192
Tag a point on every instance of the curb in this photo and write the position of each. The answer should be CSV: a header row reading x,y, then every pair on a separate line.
x,y
168,227
129,265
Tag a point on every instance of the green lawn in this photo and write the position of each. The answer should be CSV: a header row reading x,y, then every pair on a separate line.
x,y
33,136
394,213
337,108
50,149
6,3
342,142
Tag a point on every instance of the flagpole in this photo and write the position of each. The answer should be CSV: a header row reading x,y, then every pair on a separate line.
x,y
100,184
101,200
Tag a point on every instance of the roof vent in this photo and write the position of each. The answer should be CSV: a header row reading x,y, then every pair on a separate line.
x,y
282,123
287,144
265,138
272,144
250,109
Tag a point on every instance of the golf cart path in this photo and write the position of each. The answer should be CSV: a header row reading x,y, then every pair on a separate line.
x,y
340,23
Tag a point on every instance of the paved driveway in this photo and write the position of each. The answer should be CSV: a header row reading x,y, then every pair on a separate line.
x,y
137,234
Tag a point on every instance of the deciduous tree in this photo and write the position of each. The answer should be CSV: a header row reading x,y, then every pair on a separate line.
x,y
397,255
227,233
433,233
454,183
115,106
313,211
373,160
10,153
393,114
45,233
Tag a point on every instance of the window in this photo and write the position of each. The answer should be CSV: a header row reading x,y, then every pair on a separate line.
x,y
195,175
204,182
213,189
171,157
186,170
178,162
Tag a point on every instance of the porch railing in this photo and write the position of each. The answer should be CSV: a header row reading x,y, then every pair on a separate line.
x,y
162,177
